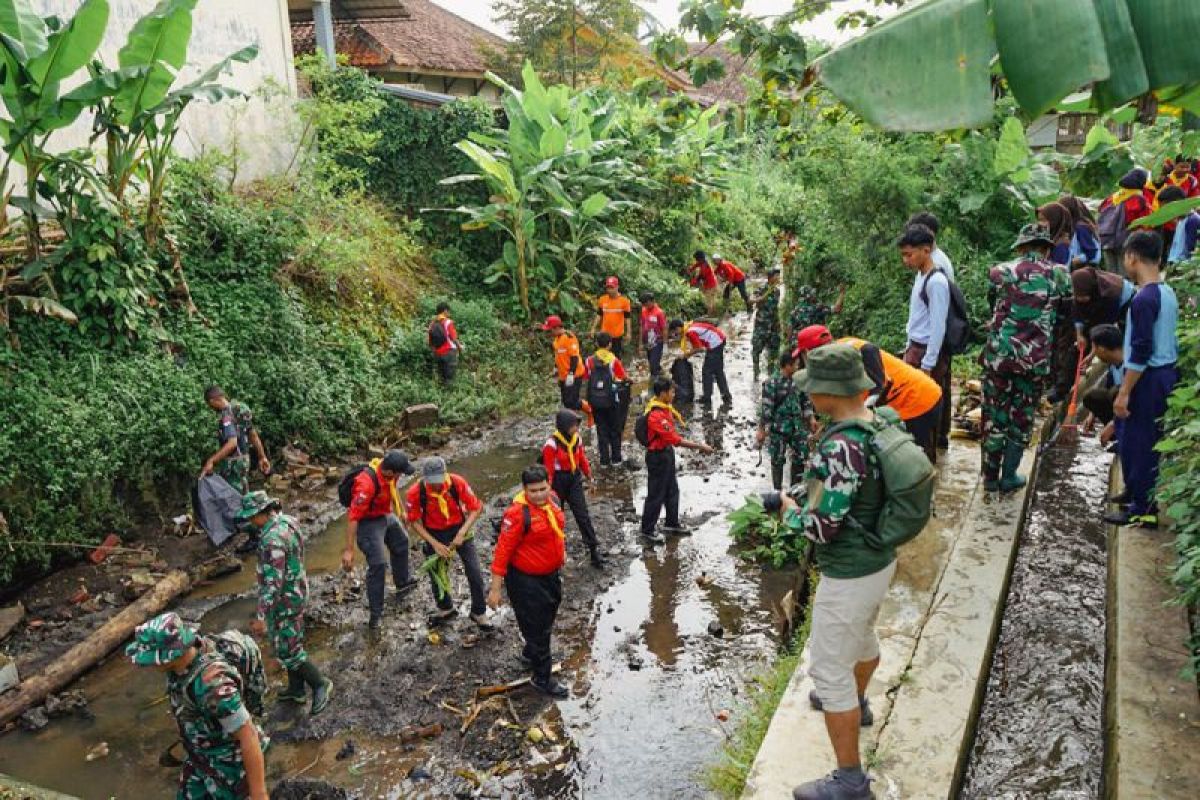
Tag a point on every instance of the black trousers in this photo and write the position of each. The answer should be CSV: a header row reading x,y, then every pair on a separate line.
x,y
714,370
662,489
569,395
654,356
925,430
618,346
447,366
470,562
608,434
569,488
741,287
1099,401
535,600
383,540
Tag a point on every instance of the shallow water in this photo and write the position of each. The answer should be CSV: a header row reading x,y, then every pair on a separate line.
x,y
1040,731
648,678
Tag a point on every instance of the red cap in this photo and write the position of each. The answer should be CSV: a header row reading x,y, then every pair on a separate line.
x,y
553,321
812,337
611,282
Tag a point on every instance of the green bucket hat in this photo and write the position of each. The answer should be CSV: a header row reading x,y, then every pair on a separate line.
x,y
254,503
160,640
835,369
1032,233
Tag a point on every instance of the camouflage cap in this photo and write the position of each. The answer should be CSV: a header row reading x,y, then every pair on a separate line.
x,y
160,640
1033,233
254,503
835,369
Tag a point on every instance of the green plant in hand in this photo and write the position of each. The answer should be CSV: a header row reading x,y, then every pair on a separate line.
x,y
763,536
439,569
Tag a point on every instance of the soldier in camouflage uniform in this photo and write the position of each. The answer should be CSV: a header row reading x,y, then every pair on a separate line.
x,y
785,419
1030,295
809,310
283,597
223,745
766,337
844,500
235,435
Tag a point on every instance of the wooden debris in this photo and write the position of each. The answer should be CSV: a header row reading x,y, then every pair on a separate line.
x,y
106,547
484,692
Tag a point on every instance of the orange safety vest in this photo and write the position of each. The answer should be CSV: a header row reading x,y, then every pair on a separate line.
x,y
911,392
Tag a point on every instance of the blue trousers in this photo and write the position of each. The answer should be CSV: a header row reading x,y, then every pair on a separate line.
x,y
1140,431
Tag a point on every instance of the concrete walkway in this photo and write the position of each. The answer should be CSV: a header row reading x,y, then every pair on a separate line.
x,y
935,633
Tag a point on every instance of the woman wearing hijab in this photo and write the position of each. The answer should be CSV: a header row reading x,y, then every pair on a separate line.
x,y
1180,235
1098,298
1055,218
1138,201
1085,241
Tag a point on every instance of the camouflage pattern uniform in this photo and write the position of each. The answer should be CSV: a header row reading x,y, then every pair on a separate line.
x,y
784,414
283,589
235,421
808,310
766,337
1017,356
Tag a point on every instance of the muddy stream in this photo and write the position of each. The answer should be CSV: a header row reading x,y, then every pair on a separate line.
x,y
647,676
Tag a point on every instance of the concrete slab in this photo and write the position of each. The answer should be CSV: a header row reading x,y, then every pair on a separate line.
x,y
796,747
1153,712
11,787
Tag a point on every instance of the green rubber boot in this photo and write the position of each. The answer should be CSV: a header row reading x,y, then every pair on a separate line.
x,y
295,691
1010,481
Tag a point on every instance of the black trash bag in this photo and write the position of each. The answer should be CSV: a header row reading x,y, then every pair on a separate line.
x,y
216,505
685,380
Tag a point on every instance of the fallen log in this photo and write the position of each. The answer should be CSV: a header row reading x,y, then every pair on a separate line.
x,y
83,656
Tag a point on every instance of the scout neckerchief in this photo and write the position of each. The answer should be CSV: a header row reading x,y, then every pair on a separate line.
x,y
1121,195
547,509
687,326
570,446
605,356
656,403
443,506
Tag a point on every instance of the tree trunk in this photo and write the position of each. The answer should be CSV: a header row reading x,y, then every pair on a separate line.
x,y
522,276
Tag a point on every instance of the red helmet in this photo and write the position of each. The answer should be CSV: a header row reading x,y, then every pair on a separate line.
x,y
812,337
612,282
552,322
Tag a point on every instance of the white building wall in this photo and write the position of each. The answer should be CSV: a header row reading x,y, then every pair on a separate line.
x,y
261,130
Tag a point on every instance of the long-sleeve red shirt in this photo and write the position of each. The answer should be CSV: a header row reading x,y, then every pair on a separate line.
x,y
661,430
653,325
618,369
557,458
441,510
730,272
539,549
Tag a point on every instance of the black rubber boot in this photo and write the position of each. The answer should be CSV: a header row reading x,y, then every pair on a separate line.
x,y
777,476
1010,481
295,692
322,687
597,560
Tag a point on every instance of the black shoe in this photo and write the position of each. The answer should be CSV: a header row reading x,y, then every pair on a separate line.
x,y
375,622
598,560
654,537
864,708
1120,518
295,691
441,617
606,463
676,530
727,400
704,400
403,589
482,622
1120,499
550,688
943,444
321,697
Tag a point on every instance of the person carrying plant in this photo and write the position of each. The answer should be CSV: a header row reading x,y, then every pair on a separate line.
x,y
928,311
653,327
785,420
567,469
373,523
443,341
854,544
1018,354
707,338
766,337
283,598
235,434
223,745
612,315
568,362
657,430
702,277
734,278
528,561
1151,350
442,509
605,374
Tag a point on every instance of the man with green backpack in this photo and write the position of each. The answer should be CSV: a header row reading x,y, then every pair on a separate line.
x,y
869,490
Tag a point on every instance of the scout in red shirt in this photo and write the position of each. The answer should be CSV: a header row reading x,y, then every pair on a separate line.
x,y
608,396
653,325
567,467
734,279
703,278
443,341
529,554
709,339
662,486
374,525
442,509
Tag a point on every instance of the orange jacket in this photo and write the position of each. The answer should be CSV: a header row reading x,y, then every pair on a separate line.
x,y
909,391
566,347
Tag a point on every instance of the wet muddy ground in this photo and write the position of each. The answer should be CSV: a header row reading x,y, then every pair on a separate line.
x,y
648,677
1040,731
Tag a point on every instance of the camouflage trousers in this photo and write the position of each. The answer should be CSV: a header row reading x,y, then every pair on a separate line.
x,y
236,472
765,340
220,778
1009,405
779,445
287,640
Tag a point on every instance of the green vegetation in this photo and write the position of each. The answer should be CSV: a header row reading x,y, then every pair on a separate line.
x,y
763,537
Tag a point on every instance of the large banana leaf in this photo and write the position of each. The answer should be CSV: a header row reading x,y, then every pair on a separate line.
x,y
158,40
926,69
1048,50
1128,77
204,88
72,46
19,21
1169,32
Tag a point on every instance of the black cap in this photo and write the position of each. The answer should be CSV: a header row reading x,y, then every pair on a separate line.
x,y
396,461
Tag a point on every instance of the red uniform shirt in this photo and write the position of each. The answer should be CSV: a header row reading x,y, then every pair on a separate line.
x,y
703,275
1189,184
660,429
367,502
556,457
441,510
703,336
451,342
728,271
653,325
618,369
539,549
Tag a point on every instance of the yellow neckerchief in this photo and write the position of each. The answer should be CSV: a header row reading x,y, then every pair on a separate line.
x,y
443,506
656,403
547,509
1121,195
687,326
570,446
393,489
1171,179
604,356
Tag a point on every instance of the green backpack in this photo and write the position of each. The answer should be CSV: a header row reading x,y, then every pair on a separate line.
x,y
907,478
